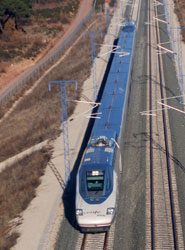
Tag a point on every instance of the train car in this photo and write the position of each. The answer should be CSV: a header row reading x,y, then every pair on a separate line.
x,y
98,174
115,96
97,183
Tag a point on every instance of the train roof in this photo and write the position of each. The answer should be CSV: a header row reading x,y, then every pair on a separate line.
x,y
115,92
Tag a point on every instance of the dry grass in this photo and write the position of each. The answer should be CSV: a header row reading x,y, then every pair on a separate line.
x,y
17,189
36,118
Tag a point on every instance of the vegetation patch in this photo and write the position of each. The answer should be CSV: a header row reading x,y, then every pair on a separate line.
x,y
48,14
17,189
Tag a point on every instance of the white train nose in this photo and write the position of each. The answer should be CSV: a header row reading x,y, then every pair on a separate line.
x,y
94,221
95,224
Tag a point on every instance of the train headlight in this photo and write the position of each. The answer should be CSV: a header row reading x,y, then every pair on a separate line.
x,y
79,212
110,210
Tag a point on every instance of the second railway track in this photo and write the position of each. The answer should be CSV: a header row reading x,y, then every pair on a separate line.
x,y
163,218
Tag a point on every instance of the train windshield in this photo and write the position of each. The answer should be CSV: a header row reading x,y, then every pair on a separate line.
x,y
95,180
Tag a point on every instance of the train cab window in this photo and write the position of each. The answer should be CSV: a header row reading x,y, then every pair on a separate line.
x,y
95,180
108,181
108,184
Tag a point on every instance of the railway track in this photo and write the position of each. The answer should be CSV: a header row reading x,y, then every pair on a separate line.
x,y
90,240
163,229
98,241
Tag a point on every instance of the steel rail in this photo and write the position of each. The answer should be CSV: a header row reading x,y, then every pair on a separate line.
x,y
84,242
106,241
150,124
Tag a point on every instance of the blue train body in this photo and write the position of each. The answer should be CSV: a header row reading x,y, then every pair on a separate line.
x,y
100,152
97,178
116,90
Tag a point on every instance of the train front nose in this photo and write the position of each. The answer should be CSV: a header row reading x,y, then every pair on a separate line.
x,y
95,223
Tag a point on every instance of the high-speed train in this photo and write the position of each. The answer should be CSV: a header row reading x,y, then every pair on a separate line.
x,y
98,174
97,183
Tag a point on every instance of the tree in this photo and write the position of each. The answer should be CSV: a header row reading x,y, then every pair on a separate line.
x,y
19,10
